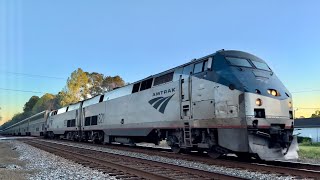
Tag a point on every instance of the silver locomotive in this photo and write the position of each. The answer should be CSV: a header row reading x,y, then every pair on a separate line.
x,y
226,102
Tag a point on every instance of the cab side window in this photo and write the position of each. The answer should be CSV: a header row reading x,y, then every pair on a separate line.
x,y
205,65
188,69
198,68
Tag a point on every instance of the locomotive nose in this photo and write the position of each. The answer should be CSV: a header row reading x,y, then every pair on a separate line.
x,y
267,110
270,125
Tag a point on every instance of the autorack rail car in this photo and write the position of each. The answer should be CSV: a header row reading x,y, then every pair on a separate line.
x,y
229,101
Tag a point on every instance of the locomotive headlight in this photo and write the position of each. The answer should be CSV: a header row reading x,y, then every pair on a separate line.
x,y
290,104
258,102
273,92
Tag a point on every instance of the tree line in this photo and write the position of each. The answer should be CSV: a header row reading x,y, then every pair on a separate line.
x,y
316,114
79,86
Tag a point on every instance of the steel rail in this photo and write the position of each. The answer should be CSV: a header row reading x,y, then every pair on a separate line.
x,y
146,171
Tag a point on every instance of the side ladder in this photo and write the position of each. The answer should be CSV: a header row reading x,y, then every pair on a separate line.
x,y
187,134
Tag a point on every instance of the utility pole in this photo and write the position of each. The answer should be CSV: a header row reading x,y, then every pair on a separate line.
x,y
294,113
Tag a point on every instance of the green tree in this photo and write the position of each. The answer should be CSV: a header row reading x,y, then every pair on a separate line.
x,y
77,88
109,83
316,114
29,105
80,85
96,83
57,100
45,102
17,118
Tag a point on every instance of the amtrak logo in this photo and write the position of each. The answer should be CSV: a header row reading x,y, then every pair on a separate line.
x,y
171,90
160,103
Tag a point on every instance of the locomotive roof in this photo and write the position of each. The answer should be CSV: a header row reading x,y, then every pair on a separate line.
x,y
241,54
231,53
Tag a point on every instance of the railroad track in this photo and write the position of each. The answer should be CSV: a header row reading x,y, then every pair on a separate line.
x,y
298,170
124,167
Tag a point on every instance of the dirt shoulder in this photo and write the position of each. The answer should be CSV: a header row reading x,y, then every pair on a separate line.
x,y
10,165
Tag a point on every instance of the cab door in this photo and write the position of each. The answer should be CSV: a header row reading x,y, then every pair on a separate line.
x,y
185,92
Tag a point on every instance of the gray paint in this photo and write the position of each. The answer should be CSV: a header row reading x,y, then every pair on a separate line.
x,y
233,139
127,132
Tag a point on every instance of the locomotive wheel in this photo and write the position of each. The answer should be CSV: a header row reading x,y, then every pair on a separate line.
x,y
74,137
213,154
94,139
172,142
51,135
176,148
101,137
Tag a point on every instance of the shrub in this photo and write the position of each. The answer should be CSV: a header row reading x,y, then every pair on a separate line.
x,y
306,140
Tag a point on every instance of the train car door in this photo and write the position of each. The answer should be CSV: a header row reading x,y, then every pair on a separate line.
x,y
77,123
80,120
185,92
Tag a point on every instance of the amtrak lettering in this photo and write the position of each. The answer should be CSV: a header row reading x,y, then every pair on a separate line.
x,y
164,92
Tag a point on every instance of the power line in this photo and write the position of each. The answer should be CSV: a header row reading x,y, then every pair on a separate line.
x,y
306,91
34,75
306,108
18,90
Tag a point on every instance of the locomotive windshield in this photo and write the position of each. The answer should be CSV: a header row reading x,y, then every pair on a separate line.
x,y
246,63
261,65
238,62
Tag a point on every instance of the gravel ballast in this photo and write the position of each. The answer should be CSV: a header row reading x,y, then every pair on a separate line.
x,y
196,165
49,166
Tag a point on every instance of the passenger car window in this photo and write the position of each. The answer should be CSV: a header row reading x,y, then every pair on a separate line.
x,y
87,121
73,123
163,79
146,84
94,120
198,68
101,98
136,87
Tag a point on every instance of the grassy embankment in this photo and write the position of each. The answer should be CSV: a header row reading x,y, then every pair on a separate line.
x,y
309,150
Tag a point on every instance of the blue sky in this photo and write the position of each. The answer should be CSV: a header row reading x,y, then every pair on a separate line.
x,y
135,39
